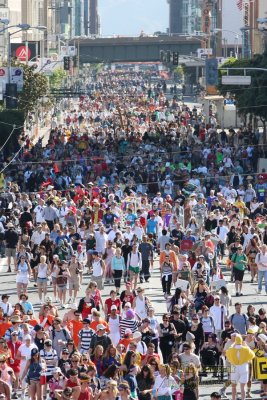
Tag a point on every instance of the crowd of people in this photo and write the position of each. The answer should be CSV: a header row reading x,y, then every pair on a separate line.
x,y
133,184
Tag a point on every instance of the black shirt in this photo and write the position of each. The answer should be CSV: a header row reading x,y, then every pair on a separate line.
x,y
11,238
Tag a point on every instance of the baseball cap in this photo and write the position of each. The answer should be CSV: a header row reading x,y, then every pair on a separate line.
x,y
113,307
100,327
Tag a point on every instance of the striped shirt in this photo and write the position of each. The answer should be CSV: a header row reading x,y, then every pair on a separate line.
x,y
49,356
85,336
128,324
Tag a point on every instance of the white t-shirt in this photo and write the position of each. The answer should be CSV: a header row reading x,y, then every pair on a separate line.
x,y
25,351
261,261
39,214
218,314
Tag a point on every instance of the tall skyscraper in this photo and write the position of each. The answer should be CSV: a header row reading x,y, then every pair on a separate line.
x,y
175,18
94,25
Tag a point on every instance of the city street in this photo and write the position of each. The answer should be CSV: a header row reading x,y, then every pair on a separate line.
x,y
154,293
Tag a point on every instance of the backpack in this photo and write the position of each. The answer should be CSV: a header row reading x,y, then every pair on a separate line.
x,y
130,254
64,332
209,300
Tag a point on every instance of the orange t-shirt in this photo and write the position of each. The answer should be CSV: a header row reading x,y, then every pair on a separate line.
x,y
49,322
33,322
94,324
75,327
126,342
4,326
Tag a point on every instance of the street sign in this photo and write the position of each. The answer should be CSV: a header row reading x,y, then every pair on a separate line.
x,y
236,80
16,76
67,51
3,78
203,53
4,13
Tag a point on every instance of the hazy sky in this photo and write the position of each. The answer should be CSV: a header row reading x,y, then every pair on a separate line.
x,y
132,16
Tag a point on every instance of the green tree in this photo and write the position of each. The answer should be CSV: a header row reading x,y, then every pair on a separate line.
x,y
8,120
57,78
251,100
35,87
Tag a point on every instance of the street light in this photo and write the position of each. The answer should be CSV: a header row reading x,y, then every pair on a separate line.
x,y
236,38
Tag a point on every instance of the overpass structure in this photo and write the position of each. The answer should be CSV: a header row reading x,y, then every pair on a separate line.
x,y
131,49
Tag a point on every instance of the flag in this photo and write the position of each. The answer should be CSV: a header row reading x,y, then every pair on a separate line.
x,y
239,4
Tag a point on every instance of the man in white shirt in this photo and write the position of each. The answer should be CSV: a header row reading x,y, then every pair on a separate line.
x,y
39,212
37,236
221,231
101,239
219,314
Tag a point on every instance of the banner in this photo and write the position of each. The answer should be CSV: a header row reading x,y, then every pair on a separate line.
x,y
19,51
259,366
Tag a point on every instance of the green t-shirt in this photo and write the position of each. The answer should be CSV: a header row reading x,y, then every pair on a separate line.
x,y
236,258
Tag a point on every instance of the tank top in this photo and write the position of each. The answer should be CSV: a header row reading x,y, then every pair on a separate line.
x,y
140,307
114,325
166,269
35,369
42,271
23,269
97,269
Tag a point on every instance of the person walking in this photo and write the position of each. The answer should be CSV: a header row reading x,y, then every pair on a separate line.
x,y
261,261
42,272
117,268
146,250
11,239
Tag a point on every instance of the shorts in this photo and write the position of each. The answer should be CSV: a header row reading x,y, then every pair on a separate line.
x,y
74,285
62,287
99,281
54,280
10,252
238,275
135,270
239,376
22,279
41,280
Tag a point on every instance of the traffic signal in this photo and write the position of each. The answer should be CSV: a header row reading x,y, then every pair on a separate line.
x,y
211,72
168,56
66,63
162,55
175,58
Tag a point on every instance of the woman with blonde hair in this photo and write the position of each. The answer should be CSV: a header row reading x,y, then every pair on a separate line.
x,y
190,382
111,391
164,383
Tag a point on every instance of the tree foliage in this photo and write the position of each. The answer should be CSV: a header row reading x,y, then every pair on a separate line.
x,y
57,78
35,87
8,120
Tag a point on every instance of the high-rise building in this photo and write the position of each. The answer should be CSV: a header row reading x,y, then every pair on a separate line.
x,y
30,15
94,25
175,16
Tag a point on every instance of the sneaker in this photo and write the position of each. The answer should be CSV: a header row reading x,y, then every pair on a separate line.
x,y
237,294
241,294
70,300
249,396
15,396
259,291
223,394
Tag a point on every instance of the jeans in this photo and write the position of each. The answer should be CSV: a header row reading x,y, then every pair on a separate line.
x,y
166,284
261,275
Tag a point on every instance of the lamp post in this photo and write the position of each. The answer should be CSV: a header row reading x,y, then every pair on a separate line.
x,y
22,27
236,38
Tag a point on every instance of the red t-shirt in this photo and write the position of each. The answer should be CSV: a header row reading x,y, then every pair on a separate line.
x,y
109,302
86,395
